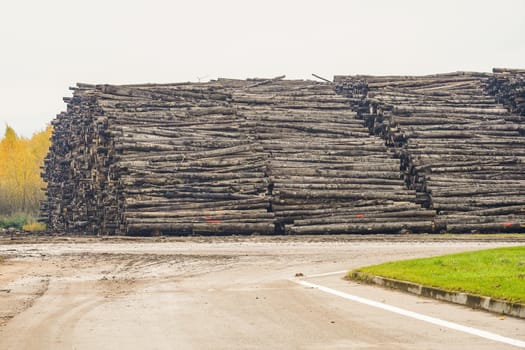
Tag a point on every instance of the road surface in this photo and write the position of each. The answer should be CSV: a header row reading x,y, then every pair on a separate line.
x,y
239,293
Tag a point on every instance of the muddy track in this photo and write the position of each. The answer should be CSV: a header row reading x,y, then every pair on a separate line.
x,y
103,293
21,238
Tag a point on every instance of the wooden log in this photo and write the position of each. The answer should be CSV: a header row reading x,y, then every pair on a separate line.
x,y
487,227
205,228
394,227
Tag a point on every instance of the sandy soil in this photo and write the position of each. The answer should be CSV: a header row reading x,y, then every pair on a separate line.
x,y
213,293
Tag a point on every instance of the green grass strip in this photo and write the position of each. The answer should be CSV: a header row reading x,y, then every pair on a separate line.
x,y
497,273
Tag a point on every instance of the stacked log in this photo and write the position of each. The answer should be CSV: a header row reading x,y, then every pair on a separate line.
x,y
508,85
229,156
364,155
71,167
461,150
327,173
148,159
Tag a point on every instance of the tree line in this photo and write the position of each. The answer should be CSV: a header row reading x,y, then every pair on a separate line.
x,y
21,187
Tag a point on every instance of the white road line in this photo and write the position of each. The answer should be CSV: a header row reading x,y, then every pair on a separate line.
x,y
415,315
327,274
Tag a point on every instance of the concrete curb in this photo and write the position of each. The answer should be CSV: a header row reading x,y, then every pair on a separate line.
x,y
472,300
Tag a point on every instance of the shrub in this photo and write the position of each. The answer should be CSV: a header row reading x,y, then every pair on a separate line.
x,y
34,227
16,221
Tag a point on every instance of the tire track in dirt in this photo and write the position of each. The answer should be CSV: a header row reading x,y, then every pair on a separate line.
x,y
109,293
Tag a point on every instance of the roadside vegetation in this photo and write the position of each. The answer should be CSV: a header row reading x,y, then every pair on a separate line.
x,y
497,273
21,187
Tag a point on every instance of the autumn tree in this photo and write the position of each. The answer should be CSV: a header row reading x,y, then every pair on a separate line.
x,y
21,187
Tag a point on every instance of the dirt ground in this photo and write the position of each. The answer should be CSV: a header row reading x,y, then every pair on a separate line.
x,y
220,293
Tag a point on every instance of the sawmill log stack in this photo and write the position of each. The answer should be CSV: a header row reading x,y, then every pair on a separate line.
x,y
225,157
327,173
508,86
365,154
459,147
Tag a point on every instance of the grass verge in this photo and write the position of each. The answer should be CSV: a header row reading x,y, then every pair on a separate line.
x,y
497,273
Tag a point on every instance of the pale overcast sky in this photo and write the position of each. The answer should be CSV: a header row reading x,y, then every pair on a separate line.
x,y
47,46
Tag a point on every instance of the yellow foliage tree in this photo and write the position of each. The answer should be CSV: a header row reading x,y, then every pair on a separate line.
x,y
21,187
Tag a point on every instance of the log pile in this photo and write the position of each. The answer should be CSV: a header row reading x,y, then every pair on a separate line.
x,y
76,188
508,85
327,173
439,153
229,156
146,159
461,150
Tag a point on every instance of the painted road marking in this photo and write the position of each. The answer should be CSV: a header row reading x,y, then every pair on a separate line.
x,y
328,274
415,315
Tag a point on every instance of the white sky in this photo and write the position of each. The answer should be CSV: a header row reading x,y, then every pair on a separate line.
x,y
47,46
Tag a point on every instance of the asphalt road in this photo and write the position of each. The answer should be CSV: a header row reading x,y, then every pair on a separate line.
x,y
231,294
